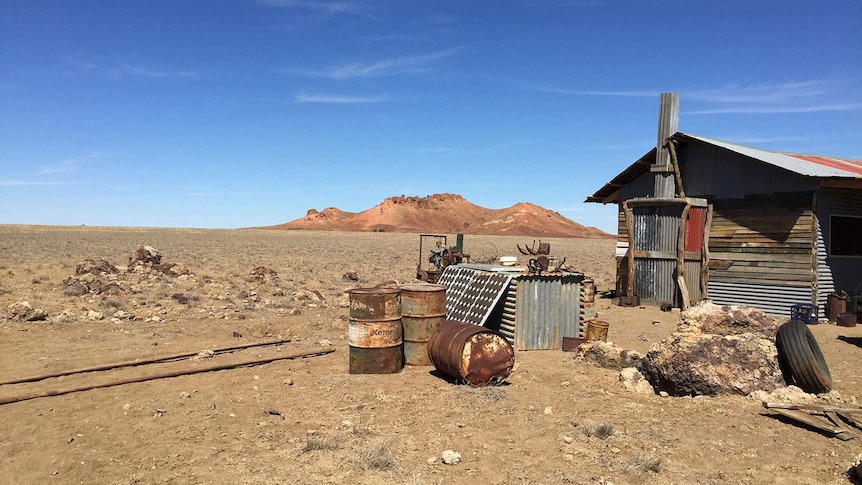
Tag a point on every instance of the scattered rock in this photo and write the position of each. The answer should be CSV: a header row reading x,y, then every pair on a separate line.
x,y
451,457
95,267
205,354
180,298
124,315
22,311
351,275
63,318
263,273
710,318
173,269
784,394
324,343
146,255
111,288
689,364
76,289
634,381
716,350
95,315
431,460
608,355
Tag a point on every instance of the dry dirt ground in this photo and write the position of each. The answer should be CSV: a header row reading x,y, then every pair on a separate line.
x,y
557,421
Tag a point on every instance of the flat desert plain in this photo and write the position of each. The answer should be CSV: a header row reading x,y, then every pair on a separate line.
x,y
308,421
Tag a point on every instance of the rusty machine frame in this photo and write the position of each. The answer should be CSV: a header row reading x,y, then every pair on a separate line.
x,y
431,267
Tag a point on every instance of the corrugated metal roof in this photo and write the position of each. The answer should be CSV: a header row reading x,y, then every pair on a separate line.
x,y
807,165
810,165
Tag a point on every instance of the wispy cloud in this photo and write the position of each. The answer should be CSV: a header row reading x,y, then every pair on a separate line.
x,y
812,96
359,8
561,3
411,64
28,183
341,99
141,71
767,109
439,149
63,166
579,92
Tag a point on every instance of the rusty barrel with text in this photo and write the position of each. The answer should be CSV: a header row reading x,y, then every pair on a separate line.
x,y
471,353
375,334
423,309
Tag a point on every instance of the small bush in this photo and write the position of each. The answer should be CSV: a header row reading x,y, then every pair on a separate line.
x,y
640,462
315,442
378,457
602,430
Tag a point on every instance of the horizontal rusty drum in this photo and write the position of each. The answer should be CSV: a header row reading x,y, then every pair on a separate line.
x,y
471,353
423,309
375,335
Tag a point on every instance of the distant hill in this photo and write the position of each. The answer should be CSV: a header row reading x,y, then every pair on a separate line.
x,y
447,214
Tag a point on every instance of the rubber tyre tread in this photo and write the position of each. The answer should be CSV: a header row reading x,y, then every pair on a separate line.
x,y
801,357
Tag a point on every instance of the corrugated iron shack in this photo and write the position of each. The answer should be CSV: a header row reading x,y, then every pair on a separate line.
x,y
532,311
739,225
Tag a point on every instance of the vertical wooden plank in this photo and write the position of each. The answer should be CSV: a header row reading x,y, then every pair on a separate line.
x,y
668,124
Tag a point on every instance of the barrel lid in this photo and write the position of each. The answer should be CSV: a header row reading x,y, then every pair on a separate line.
x,y
422,287
374,291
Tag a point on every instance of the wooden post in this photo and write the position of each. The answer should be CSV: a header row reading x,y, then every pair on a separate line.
x,y
668,124
631,254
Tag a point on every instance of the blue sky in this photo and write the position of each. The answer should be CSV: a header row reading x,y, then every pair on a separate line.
x,y
235,113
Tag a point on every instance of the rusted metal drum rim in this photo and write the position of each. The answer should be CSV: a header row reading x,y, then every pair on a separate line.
x,y
374,320
423,300
374,291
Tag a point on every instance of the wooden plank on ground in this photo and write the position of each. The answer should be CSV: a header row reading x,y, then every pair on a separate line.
x,y
819,423
833,416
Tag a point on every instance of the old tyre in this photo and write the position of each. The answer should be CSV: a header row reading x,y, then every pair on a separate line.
x,y
800,358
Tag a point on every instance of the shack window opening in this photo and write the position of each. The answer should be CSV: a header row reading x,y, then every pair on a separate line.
x,y
845,236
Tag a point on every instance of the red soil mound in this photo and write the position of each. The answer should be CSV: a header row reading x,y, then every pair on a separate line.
x,y
445,213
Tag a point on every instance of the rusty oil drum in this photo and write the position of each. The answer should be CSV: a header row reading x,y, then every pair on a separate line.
x,y
471,353
423,309
375,334
596,330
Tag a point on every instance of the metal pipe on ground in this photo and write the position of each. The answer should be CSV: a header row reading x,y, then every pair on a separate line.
x,y
248,363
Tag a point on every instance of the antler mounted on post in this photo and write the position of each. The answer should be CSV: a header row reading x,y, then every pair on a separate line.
x,y
544,249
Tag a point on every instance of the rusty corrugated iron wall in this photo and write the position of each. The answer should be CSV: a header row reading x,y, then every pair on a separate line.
x,y
548,308
656,233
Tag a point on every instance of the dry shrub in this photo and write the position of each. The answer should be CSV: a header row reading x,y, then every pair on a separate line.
x,y
316,442
601,429
378,457
481,395
640,462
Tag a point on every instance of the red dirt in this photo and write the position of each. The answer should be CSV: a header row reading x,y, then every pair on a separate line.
x,y
444,213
